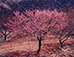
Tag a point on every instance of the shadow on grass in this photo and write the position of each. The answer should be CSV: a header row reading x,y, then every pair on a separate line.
x,y
16,54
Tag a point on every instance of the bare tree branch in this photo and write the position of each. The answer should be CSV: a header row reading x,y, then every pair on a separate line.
x,y
38,38
2,32
67,36
8,33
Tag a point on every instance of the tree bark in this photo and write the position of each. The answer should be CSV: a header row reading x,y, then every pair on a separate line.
x,y
61,43
39,48
5,37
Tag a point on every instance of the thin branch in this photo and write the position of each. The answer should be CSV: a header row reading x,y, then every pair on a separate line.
x,y
64,40
64,37
3,33
38,38
8,33
67,36
60,37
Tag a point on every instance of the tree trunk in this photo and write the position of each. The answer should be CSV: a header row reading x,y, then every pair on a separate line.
x,y
61,43
39,46
5,37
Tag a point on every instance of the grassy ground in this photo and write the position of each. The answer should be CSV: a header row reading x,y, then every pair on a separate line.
x,y
28,47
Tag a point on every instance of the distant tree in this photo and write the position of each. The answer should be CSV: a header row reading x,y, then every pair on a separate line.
x,y
61,29
4,27
64,35
69,29
5,32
